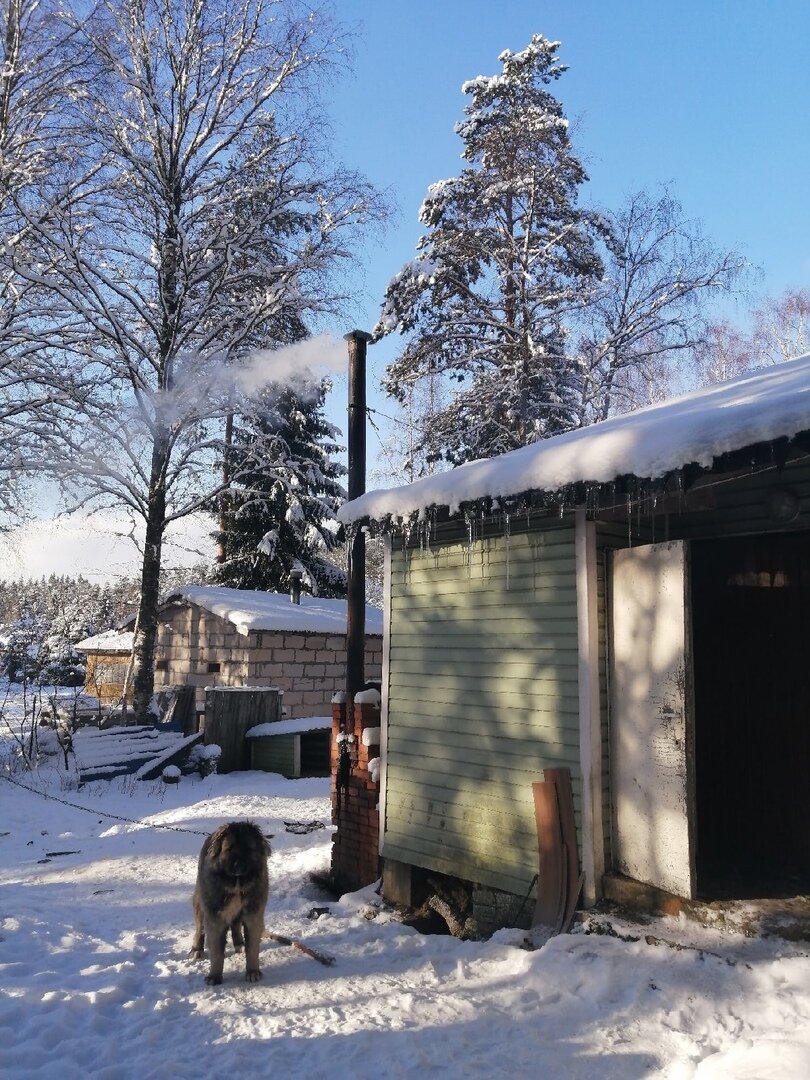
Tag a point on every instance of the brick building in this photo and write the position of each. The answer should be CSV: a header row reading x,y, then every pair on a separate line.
x,y
213,636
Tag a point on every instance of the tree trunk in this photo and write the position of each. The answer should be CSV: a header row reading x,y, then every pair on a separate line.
x,y
146,633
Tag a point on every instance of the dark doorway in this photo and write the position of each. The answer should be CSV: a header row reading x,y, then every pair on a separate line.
x,y
751,647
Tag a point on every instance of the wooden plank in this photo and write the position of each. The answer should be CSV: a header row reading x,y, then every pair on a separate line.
x,y
230,712
533,740
533,729
561,778
465,794
518,771
551,879
504,668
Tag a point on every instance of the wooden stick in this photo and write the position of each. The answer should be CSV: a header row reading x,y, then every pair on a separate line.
x,y
322,958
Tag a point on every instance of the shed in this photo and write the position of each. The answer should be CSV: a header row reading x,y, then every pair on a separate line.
x,y
107,658
294,748
629,600
214,636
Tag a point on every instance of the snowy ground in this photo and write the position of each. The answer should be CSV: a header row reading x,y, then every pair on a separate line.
x,y
95,980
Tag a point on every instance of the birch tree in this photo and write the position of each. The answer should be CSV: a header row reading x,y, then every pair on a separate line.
x,y
636,333
158,284
777,329
43,73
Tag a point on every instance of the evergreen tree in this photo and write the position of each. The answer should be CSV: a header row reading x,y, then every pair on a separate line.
x,y
507,254
282,517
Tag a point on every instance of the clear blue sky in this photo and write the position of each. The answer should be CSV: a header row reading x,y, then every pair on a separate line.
x,y
708,96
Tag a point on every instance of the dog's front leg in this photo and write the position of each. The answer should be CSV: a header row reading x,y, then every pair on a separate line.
x,y
216,934
254,928
236,934
198,941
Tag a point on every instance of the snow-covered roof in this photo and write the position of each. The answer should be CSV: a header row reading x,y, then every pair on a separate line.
x,y
112,641
249,610
697,427
297,726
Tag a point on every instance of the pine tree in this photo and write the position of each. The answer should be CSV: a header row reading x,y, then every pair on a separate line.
x,y
282,517
507,254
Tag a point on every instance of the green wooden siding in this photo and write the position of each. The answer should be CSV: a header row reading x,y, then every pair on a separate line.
x,y
483,694
273,754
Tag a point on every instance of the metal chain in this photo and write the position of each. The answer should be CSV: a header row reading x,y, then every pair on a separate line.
x,y
104,813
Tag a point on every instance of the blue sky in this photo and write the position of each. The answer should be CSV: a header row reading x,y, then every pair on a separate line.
x,y
710,97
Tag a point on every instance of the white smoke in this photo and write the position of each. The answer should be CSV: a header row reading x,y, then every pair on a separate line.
x,y
303,363
206,384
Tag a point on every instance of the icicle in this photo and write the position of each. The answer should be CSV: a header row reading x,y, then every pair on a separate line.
x,y
351,532
407,527
629,519
470,536
507,537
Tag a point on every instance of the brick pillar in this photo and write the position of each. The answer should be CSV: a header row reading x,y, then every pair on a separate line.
x,y
355,844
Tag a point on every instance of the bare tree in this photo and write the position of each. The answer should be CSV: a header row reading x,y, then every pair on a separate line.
x,y
43,72
723,353
781,328
778,330
157,283
650,309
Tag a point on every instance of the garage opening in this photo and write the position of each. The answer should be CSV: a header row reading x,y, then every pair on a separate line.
x,y
751,651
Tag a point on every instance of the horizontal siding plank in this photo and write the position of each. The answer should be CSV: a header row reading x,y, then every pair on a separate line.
x,y
551,644
515,725
512,771
529,608
466,675
419,708
554,574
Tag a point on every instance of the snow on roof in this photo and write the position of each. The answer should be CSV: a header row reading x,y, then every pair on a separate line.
x,y
649,443
249,610
297,726
113,641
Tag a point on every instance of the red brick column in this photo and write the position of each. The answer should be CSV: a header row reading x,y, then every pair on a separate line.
x,y
355,844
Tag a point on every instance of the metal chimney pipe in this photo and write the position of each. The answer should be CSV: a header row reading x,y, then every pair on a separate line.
x,y
356,597
295,586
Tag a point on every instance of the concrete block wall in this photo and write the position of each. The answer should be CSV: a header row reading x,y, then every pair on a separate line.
x,y
308,667
355,809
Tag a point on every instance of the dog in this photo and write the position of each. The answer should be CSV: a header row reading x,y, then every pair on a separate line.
x,y
231,893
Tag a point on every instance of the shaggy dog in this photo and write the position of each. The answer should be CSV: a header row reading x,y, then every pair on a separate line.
x,y
231,891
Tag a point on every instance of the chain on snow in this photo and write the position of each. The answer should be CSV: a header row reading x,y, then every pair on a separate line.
x,y
103,813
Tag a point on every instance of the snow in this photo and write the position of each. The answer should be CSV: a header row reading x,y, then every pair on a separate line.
x,y
290,727
114,641
97,749
251,610
649,443
371,736
96,981
368,697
